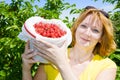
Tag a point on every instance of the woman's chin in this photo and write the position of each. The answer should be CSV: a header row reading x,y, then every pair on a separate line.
x,y
86,44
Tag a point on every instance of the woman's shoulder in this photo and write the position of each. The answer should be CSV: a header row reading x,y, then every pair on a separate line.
x,y
104,62
97,65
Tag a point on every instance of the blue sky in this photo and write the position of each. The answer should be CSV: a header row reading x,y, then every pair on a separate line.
x,y
83,3
99,4
79,4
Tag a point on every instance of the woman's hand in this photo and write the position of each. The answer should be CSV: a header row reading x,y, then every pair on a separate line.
x,y
57,56
27,57
54,54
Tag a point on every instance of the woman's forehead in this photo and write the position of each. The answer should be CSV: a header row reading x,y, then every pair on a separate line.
x,y
92,20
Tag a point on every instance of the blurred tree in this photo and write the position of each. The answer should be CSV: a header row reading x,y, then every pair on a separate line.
x,y
12,17
115,17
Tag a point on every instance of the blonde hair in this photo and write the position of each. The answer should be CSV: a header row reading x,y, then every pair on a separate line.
x,y
107,44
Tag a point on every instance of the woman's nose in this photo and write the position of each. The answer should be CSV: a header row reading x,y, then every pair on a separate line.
x,y
88,32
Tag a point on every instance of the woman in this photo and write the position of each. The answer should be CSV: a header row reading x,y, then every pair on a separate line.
x,y
87,59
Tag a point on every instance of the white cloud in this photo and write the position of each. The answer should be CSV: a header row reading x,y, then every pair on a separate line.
x,y
67,13
107,7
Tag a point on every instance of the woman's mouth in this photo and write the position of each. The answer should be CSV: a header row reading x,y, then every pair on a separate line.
x,y
84,39
85,42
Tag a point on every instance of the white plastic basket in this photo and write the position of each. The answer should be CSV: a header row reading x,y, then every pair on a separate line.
x,y
28,33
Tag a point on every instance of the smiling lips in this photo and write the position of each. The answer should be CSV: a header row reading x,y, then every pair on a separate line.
x,y
86,40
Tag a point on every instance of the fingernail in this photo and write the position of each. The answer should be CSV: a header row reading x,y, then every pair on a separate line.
x,y
35,53
32,49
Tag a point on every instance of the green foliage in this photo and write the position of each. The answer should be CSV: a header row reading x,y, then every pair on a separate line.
x,y
116,2
116,21
115,17
11,47
12,17
116,58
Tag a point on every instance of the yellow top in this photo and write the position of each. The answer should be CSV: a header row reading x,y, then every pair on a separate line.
x,y
96,65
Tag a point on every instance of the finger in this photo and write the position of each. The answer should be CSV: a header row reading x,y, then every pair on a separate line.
x,y
27,53
31,61
64,44
28,56
40,48
44,43
27,46
45,56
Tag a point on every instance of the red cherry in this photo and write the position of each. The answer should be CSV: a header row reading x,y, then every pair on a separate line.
x,y
49,30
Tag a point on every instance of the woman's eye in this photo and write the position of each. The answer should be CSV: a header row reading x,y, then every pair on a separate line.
x,y
95,31
83,26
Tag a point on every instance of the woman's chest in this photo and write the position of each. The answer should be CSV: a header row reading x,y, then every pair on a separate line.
x,y
79,68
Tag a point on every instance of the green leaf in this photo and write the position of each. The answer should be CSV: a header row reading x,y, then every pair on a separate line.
x,y
118,50
2,73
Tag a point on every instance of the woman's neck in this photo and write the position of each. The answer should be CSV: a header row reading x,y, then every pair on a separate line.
x,y
80,55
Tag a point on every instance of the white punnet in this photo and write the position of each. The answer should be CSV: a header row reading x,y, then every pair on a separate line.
x,y
29,33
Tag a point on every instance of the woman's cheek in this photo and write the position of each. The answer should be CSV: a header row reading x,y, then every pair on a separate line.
x,y
96,36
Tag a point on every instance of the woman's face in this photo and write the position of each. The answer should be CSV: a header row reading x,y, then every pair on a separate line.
x,y
89,32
